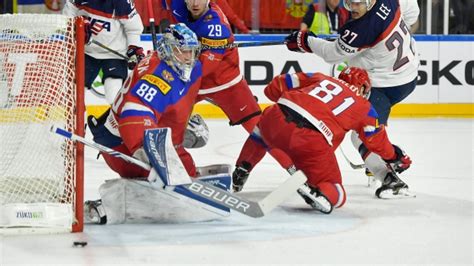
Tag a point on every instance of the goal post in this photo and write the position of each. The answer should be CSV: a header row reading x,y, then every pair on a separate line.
x,y
41,84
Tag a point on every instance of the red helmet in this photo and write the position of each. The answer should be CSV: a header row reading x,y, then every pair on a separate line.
x,y
359,78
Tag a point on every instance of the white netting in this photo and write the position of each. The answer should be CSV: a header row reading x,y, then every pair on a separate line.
x,y
37,89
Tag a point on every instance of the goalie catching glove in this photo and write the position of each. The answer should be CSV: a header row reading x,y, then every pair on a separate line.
x,y
196,134
297,41
401,162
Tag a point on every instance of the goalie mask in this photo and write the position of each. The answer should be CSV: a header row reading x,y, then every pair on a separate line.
x,y
359,79
180,48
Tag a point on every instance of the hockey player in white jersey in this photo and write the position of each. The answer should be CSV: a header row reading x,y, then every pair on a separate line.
x,y
378,39
117,25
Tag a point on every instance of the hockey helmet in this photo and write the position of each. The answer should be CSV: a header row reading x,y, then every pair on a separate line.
x,y
359,78
180,48
368,3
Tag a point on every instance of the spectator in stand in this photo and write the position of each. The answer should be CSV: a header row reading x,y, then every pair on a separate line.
x,y
117,25
327,19
234,20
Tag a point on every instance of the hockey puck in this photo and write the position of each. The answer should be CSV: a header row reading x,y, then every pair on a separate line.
x,y
80,243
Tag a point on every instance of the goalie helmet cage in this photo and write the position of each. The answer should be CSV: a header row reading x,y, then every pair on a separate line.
x,y
41,84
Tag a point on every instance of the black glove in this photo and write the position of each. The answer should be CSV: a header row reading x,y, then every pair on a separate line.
x,y
87,30
401,162
297,41
135,55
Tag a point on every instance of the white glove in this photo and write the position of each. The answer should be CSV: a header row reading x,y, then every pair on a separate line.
x,y
196,134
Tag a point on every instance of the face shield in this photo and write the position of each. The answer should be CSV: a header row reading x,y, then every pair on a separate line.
x,y
368,3
184,59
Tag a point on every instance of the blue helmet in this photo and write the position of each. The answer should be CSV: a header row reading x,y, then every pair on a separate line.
x,y
179,48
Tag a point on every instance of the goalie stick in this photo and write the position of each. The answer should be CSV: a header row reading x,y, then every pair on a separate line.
x,y
201,189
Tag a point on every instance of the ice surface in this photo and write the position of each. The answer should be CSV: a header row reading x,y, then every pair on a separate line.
x,y
436,227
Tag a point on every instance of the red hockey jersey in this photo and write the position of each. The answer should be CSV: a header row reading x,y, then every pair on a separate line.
x,y
220,67
154,96
333,107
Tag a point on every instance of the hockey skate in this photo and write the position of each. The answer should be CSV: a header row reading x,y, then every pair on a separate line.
x,y
393,187
315,198
240,176
94,212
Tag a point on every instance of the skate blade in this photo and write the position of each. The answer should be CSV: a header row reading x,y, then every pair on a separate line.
x,y
400,194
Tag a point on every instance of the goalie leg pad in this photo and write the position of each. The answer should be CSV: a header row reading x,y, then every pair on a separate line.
x,y
132,201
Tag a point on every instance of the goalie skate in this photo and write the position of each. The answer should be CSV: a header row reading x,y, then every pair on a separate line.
x,y
94,212
393,187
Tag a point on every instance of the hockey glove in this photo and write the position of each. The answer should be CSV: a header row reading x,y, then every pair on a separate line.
x,y
196,134
401,162
135,55
87,30
297,41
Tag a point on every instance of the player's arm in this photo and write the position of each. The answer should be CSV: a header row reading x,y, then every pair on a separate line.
x,y
333,51
308,18
70,9
133,28
353,39
286,82
410,12
375,138
213,35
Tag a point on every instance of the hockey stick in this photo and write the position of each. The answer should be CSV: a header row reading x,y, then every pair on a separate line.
x,y
109,49
258,44
151,18
354,166
204,190
242,44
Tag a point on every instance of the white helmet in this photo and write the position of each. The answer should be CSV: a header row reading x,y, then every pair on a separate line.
x,y
368,3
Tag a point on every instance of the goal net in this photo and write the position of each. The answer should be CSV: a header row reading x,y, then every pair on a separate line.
x,y
41,84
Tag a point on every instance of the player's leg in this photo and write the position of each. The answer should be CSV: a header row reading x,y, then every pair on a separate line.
x,y
252,152
91,70
382,99
312,154
240,106
115,72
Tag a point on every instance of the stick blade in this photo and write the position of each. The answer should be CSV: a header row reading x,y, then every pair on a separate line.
x,y
283,191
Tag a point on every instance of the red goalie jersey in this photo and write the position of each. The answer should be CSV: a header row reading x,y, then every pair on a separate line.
x,y
332,107
153,96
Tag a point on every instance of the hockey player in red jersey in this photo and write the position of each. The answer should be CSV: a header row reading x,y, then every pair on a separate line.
x,y
222,82
159,93
312,115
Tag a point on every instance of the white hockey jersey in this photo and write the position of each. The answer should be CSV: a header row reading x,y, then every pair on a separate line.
x,y
117,22
379,41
